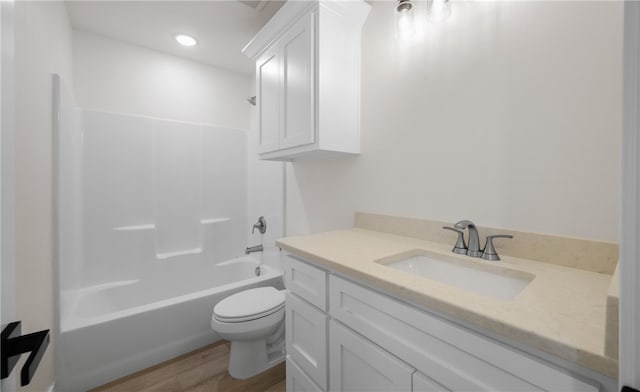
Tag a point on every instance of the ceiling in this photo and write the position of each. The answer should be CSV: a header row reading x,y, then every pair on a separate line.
x,y
222,28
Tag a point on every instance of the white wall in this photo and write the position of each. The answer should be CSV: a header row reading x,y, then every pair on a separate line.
x,y
42,46
119,77
508,114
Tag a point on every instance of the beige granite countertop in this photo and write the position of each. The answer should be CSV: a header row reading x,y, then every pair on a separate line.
x,y
561,312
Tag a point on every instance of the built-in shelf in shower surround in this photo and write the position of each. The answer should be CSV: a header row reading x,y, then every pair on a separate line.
x,y
168,255
149,226
213,221
152,226
176,253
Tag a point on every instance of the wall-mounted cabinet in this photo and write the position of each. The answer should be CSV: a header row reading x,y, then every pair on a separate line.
x,y
308,79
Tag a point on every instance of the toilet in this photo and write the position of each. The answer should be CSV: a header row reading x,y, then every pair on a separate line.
x,y
253,321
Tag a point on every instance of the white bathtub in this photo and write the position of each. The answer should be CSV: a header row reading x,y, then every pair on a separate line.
x,y
111,330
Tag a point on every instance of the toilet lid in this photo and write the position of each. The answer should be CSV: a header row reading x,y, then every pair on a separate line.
x,y
249,304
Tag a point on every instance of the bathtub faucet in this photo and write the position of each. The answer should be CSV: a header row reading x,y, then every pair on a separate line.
x,y
253,249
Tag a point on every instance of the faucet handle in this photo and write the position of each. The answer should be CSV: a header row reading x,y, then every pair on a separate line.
x,y
490,252
460,247
261,225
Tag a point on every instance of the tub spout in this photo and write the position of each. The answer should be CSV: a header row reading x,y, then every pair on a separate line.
x,y
252,249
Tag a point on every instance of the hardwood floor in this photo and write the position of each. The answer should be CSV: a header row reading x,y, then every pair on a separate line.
x,y
203,370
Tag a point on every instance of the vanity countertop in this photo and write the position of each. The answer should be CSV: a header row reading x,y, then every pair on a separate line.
x,y
561,312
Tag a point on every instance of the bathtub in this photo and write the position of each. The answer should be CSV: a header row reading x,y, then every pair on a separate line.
x,y
111,330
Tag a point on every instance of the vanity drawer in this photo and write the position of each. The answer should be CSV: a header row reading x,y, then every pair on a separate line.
x,y
306,281
455,357
306,338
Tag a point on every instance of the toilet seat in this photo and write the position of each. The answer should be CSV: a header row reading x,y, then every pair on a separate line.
x,y
249,305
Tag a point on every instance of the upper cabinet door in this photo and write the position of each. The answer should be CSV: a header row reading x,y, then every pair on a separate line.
x,y
268,96
298,76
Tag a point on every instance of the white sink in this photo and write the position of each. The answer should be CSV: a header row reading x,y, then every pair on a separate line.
x,y
478,277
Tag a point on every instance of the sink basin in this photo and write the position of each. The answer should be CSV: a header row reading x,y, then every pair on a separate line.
x,y
488,280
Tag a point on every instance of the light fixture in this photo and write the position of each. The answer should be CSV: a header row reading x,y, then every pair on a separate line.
x,y
186,40
438,10
405,12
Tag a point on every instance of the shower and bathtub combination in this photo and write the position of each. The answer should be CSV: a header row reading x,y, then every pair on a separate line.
x,y
151,227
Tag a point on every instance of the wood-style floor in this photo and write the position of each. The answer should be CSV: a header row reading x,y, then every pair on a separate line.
x,y
203,370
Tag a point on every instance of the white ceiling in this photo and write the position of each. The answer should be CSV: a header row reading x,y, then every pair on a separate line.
x,y
222,28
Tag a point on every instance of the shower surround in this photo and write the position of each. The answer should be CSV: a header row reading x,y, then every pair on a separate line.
x,y
154,190
151,224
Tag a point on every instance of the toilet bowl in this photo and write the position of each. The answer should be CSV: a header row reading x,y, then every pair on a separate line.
x,y
253,321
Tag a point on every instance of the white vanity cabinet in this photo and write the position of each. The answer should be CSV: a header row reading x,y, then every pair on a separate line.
x,y
297,381
308,79
342,336
422,383
325,355
306,338
356,364
306,326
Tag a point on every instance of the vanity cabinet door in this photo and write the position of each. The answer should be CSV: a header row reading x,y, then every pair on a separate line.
x,y
297,381
306,338
357,364
422,383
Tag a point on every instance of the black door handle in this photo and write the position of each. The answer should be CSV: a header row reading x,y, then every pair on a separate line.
x,y
13,345
628,389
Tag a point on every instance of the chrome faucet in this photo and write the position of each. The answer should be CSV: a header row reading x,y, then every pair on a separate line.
x,y
473,248
253,249
261,225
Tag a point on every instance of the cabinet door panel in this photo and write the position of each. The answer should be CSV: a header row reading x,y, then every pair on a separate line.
x,y
359,365
422,383
306,337
298,78
268,97
297,381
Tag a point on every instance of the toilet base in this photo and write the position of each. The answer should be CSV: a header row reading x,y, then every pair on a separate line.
x,y
249,358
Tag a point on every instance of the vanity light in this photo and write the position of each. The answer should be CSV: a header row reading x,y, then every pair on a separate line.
x,y
438,10
186,40
404,16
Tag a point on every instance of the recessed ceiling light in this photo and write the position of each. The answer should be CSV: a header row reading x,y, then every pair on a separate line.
x,y
186,40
